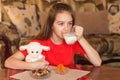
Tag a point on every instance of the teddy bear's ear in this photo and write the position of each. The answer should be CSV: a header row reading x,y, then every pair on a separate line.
x,y
23,47
46,48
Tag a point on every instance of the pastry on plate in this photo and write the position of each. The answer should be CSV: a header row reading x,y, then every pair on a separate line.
x,y
61,69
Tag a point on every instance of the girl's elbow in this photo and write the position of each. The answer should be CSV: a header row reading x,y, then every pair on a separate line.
x,y
6,63
98,63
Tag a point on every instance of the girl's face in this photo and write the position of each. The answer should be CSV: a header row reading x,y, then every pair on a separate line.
x,y
62,24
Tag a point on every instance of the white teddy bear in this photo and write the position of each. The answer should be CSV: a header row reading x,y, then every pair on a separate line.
x,y
34,50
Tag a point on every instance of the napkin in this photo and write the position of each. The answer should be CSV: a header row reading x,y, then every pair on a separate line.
x,y
72,74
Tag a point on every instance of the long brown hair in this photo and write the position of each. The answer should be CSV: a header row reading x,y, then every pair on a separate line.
x,y
46,31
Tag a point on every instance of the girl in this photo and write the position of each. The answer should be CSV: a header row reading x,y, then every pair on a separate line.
x,y
60,21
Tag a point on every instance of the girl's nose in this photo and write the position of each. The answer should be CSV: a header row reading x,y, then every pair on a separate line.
x,y
66,27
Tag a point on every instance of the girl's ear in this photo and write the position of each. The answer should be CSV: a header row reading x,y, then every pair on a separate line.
x,y
23,47
46,48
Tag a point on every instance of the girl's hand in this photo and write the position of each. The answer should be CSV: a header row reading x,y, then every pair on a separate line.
x,y
41,64
78,31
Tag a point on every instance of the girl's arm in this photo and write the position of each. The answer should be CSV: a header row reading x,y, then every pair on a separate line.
x,y
91,54
16,61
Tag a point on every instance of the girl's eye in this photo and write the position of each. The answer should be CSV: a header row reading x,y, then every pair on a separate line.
x,y
70,24
32,52
61,24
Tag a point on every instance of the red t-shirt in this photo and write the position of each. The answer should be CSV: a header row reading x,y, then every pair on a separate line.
x,y
59,54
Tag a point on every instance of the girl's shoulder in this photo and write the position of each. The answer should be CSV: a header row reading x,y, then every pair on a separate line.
x,y
35,40
40,41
